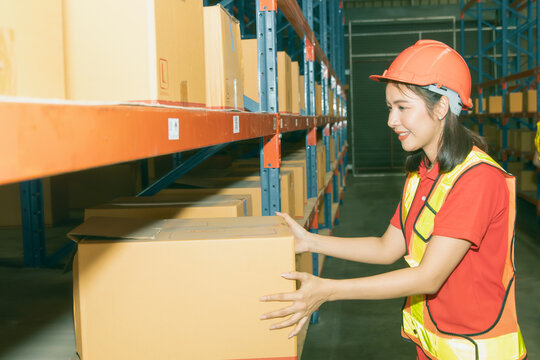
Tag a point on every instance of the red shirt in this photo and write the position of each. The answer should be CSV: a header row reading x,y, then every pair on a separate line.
x,y
476,210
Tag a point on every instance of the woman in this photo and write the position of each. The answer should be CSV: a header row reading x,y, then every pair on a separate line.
x,y
454,225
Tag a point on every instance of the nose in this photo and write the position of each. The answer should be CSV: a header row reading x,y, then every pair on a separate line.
x,y
393,119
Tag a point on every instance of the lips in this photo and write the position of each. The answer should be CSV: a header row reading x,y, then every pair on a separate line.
x,y
402,135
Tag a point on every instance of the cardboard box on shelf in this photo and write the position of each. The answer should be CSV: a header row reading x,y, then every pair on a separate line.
x,y
32,49
152,53
131,277
172,207
526,140
295,88
55,202
491,134
514,102
530,101
476,108
302,87
286,183
284,82
331,102
318,99
223,50
249,69
528,180
321,166
297,173
495,104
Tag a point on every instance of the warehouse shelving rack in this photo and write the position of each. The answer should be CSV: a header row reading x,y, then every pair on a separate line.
x,y
514,60
42,138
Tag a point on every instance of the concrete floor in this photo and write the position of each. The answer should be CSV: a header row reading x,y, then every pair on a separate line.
x,y
36,304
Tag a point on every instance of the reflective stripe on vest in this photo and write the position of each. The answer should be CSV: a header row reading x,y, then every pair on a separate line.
x,y
503,340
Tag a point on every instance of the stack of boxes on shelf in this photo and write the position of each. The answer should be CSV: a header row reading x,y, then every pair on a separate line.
x,y
520,140
198,251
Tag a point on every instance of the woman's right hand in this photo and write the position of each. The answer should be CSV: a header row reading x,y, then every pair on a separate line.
x,y
301,235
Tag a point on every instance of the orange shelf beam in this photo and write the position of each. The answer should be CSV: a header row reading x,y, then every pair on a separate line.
x,y
40,140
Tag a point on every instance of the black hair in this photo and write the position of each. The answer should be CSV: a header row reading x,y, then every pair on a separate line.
x,y
456,141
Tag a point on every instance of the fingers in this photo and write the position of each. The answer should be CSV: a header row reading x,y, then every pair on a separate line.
x,y
279,313
295,275
281,297
299,326
287,218
289,322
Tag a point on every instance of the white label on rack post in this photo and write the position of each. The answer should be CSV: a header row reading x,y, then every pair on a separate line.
x,y
174,129
324,70
333,82
236,124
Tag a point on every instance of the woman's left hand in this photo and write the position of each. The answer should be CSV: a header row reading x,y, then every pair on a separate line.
x,y
311,295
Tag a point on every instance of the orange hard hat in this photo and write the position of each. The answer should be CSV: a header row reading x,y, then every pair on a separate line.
x,y
430,62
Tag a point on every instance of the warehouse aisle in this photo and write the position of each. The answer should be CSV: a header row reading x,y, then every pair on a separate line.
x,y
371,329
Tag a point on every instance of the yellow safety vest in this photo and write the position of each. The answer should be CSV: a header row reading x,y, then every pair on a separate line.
x,y
501,341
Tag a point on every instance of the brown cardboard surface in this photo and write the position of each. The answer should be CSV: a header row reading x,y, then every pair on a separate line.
x,y
284,82
287,187
148,207
151,53
249,69
476,108
224,86
318,100
297,172
514,102
321,166
331,102
55,202
140,287
32,48
295,88
495,104
530,102
526,140
302,90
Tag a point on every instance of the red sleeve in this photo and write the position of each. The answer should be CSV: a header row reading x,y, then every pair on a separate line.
x,y
396,221
477,199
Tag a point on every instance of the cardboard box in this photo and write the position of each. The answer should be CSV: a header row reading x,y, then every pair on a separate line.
x,y
318,99
514,102
530,101
247,183
151,53
528,180
97,186
55,202
476,108
32,49
249,69
180,289
284,82
495,104
491,134
321,166
223,50
295,88
331,111
526,140
172,207
295,170
302,89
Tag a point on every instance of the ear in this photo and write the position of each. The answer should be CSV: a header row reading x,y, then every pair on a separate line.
x,y
442,107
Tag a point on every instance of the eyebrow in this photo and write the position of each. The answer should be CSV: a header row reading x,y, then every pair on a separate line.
x,y
399,101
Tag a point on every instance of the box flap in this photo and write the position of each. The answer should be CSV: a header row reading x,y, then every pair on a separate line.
x,y
120,228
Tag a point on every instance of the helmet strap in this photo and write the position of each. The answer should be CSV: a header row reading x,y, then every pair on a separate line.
x,y
453,97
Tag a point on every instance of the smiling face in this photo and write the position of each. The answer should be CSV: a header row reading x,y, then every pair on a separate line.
x,y
410,119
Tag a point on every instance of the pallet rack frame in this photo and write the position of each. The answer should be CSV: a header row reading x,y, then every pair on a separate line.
x,y
515,32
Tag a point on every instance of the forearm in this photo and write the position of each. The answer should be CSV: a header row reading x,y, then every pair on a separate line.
x,y
366,249
394,284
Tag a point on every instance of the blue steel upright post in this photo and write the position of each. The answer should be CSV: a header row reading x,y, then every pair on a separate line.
x,y
270,156
33,223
